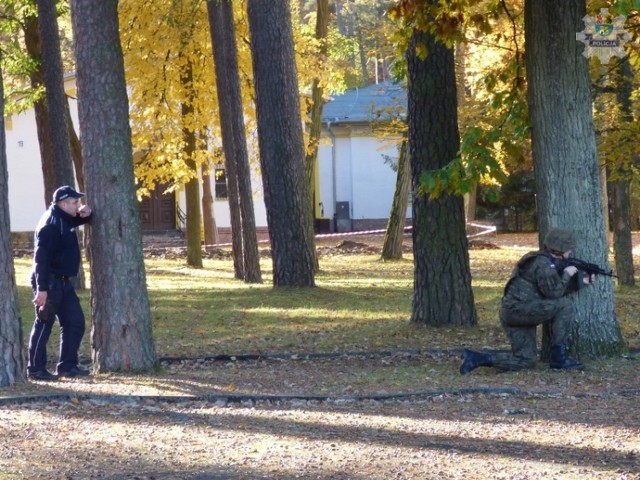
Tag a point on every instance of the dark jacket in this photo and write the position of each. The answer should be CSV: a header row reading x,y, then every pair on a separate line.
x,y
56,249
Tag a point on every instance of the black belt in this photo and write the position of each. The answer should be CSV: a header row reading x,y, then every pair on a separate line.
x,y
55,276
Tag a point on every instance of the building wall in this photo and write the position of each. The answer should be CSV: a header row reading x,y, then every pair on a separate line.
x,y
26,185
353,159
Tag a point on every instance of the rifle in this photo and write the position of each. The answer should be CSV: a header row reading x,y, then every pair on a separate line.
x,y
588,268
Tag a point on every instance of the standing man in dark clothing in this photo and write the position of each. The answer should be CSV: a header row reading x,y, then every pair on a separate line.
x,y
536,294
56,259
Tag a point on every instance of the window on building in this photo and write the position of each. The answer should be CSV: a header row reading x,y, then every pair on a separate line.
x,y
220,176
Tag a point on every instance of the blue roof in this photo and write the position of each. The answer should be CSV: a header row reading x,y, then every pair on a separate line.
x,y
367,104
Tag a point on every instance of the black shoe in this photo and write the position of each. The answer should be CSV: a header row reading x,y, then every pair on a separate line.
x,y
472,360
42,375
560,361
73,372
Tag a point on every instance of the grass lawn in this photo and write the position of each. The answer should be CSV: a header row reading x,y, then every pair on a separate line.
x,y
360,303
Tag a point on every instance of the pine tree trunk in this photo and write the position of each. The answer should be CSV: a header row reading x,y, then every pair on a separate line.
x,y
32,43
565,159
280,141
622,240
442,278
121,318
11,358
621,188
315,127
394,236
56,98
234,143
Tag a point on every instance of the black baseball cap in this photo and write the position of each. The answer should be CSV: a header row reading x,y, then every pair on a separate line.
x,y
66,192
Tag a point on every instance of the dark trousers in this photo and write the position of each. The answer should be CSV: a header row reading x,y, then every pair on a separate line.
x,y
65,305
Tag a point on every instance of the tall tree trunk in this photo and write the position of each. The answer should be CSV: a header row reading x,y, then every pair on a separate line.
x,y
621,187
208,216
11,358
57,108
442,277
76,148
192,187
394,236
234,141
362,54
565,159
461,89
32,43
56,98
121,316
340,18
280,141
315,128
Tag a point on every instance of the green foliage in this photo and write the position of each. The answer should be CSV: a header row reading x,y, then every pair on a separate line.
x,y
493,111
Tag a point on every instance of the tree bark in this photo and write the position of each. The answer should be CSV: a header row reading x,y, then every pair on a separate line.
x,y
11,358
192,187
442,277
565,159
52,114
621,188
315,127
56,98
121,317
33,46
280,141
234,142
394,236
208,216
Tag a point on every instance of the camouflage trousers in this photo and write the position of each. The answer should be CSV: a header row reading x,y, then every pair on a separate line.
x,y
520,321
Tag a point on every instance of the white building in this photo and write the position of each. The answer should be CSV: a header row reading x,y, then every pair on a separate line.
x,y
354,185
355,182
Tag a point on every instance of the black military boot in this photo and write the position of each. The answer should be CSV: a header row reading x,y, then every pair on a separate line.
x,y
472,360
560,360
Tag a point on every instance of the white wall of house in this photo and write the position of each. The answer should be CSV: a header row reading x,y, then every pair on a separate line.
x,y
352,168
221,212
26,185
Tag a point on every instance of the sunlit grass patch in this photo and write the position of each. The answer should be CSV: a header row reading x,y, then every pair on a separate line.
x,y
360,303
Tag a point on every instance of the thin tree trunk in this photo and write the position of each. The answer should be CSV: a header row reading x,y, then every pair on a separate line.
x,y
621,188
565,158
234,143
315,128
394,236
32,43
192,187
208,216
56,98
11,358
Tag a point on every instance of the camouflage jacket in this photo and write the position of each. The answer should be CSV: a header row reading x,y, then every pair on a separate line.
x,y
537,276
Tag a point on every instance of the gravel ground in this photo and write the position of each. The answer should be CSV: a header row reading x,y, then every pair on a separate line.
x,y
211,420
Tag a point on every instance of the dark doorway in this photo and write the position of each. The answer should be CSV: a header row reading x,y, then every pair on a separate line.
x,y
158,212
